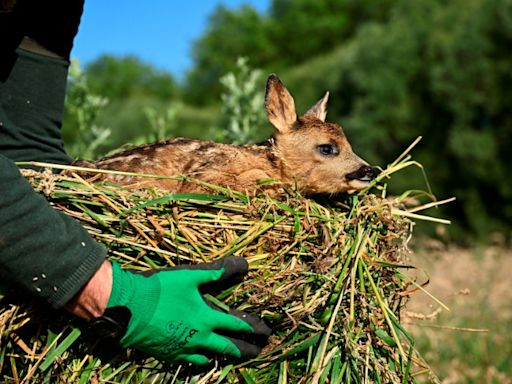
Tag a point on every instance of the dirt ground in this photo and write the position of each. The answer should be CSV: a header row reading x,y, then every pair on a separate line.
x,y
471,343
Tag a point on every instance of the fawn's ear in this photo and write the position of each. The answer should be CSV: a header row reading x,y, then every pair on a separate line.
x,y
319,110
279,105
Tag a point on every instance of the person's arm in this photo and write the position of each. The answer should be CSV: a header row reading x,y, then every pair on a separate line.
x,y
43,251
31,108
92,299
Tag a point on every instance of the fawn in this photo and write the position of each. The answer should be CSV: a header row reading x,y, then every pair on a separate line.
x,y
304,151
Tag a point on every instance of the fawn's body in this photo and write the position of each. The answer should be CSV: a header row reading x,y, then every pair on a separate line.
x,y
236,167
304,151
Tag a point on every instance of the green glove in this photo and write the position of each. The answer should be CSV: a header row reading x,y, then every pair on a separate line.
x,y
171,321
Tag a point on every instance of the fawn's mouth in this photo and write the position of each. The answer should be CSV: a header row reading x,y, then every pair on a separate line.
x,y
364,174
365,179
357,185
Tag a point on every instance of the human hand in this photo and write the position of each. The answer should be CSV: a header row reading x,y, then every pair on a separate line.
x,y
171,320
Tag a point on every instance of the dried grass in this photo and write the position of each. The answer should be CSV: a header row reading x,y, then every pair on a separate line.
x,y
328,275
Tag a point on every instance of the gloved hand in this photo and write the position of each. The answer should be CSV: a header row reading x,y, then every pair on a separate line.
x,y
171,320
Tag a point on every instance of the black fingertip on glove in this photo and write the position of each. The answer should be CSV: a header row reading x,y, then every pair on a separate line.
x,y
235,268
261,330
249,344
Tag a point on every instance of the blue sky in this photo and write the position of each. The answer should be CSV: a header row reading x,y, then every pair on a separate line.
x,y
160,32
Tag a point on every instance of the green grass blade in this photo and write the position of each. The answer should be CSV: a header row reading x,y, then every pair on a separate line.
x,y
248,376
60,349
302,346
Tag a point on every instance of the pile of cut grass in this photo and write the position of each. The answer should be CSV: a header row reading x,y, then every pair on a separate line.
x,y
327,275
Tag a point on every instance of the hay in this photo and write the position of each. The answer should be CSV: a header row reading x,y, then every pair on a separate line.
x,y
328,276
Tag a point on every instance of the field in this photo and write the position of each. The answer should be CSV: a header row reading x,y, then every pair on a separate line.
x,y
475,285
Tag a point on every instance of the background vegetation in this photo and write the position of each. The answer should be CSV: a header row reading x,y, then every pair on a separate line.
x,y
396,69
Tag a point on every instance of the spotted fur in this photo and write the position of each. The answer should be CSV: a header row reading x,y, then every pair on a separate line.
x,y
291,157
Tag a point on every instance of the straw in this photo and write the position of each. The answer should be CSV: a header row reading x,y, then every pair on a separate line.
x,y
326,274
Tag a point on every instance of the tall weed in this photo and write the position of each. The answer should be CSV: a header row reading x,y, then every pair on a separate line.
x,y
82,109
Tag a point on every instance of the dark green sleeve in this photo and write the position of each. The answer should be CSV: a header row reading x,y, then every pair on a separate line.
x,y
31,107
41,250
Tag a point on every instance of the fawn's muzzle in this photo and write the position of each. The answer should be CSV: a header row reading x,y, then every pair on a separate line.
x,y
365,173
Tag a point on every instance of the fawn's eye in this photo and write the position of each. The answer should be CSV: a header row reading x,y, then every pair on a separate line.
x,y
328,149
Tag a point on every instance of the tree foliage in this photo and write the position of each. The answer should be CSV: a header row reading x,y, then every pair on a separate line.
x,y
291,33
136,93
301,29
123,77
231,34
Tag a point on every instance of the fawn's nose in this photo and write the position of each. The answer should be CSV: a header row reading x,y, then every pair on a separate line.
x,y
364,173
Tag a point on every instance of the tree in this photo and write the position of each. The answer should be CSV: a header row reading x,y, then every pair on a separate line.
x,y
132,87
303,28
230,34
292,33
123,77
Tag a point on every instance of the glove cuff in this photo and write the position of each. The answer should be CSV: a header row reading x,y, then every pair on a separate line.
x,y
139,294
122,288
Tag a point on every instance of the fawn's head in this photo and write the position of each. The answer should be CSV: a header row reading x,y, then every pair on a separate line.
x,y
315,154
